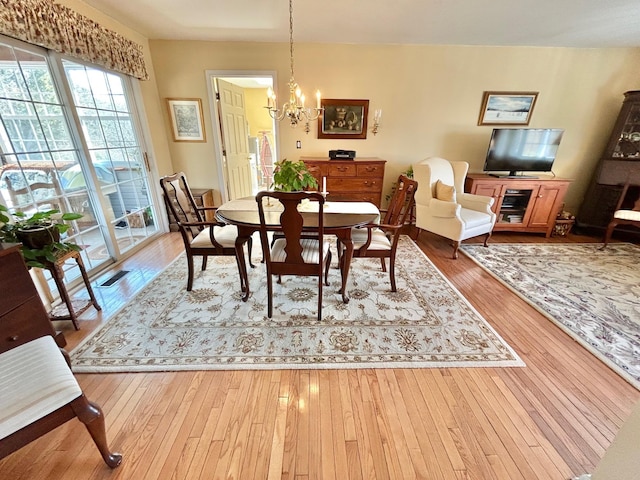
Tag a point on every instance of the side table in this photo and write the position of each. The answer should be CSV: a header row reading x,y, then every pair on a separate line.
x,y
73,307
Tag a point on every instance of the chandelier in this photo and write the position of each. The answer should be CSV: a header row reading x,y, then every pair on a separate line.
x,y
294,110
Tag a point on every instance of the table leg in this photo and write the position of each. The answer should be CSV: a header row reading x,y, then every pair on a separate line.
x,y
344,237
87,282
243,238
58,275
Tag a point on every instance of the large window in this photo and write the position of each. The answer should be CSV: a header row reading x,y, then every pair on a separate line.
x,y
71,141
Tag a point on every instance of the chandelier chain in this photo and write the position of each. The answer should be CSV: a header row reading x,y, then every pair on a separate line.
x,y
294,109
291,34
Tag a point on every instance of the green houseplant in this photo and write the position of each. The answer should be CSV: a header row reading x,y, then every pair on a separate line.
x,y
39,233
409,173
291,176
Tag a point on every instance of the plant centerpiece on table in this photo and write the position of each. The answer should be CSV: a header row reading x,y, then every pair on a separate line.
x,y
291,176
39,233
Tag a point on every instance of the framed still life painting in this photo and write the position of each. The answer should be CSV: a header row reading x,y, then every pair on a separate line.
x,y
343,119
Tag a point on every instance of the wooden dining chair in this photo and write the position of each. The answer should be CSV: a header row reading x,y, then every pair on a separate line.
x,y
201,237
627,210
381,240
295,251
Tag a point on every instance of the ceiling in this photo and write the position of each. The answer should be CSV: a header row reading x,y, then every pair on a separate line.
x,y
557,23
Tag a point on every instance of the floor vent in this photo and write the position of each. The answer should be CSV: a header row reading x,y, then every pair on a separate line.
x,y
114,278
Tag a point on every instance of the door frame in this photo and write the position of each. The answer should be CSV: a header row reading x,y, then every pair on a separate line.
x,y
210,77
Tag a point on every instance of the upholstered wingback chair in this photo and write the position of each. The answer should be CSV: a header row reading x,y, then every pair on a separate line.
x,y
443,208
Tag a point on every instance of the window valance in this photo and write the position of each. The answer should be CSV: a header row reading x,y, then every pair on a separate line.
x,y
58,28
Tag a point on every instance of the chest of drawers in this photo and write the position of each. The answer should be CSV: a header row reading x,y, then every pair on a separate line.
x,y
22,315
349,180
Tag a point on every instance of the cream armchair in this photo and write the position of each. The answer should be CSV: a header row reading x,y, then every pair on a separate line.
x,y
443,208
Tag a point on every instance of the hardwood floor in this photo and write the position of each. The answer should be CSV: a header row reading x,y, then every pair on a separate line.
x,y
552,419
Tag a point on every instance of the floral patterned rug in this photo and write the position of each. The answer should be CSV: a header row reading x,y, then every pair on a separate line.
x,y
426,323
592,295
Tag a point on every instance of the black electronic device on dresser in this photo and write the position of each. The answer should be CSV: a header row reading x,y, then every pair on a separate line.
x,y
342,154
619,163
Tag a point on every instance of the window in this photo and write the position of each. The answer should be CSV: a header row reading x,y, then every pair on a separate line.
x,y
82,154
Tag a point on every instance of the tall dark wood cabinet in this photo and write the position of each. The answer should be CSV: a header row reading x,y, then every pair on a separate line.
x,y
619,162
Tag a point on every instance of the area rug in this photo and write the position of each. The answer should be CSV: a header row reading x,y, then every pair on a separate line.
x,y
426,323
591,294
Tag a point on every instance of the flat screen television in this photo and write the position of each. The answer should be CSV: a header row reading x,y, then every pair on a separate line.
x,y
517,150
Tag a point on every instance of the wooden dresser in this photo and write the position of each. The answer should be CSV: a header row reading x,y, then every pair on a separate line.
x,y
22,314
357,180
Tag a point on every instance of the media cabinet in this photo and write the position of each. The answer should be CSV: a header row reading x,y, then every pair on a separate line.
x,y
522,204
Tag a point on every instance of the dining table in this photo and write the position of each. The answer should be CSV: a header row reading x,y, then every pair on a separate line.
x,y
338,218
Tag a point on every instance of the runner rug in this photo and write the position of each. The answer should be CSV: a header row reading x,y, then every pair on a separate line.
x,y
426,323
592,295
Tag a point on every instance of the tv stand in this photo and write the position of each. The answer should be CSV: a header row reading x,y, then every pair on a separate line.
x,y
521,204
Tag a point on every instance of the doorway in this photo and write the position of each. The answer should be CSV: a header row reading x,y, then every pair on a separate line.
x,y
244,133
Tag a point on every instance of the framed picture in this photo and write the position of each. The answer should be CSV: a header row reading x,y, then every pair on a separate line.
x,y
186,119
507,108
343,119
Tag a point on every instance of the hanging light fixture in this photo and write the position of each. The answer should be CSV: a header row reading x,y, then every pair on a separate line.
x,y
293,110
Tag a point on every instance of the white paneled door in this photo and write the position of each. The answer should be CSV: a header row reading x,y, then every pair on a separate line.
x,y
236,140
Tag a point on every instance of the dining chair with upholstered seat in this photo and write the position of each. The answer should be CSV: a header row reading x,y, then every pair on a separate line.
x,y
294,250
381,240
40,393
201,237
627,210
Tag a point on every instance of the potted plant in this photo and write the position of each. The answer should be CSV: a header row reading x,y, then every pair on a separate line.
x,y
291,176
39,233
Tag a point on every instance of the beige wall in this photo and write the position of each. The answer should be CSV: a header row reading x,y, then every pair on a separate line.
x,y
257,116
430,96
621,461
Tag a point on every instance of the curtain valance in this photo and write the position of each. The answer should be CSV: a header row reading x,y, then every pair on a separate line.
x,y
58,28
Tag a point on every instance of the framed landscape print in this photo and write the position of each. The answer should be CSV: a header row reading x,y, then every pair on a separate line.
x,y
187,123
507,108
343,119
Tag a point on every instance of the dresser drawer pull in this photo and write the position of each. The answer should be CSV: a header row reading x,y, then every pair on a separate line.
x,y
342,169
13,338
367,183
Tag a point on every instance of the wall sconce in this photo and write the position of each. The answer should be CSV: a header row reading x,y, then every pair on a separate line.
x,y
377,115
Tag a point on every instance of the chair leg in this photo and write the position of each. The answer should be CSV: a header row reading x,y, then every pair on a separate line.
x,y
384,264
204,262
486,239
608,233
269,295
189,272
392,271
339,248
244,281
320,298
456,245
249,248
91,415
326,269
